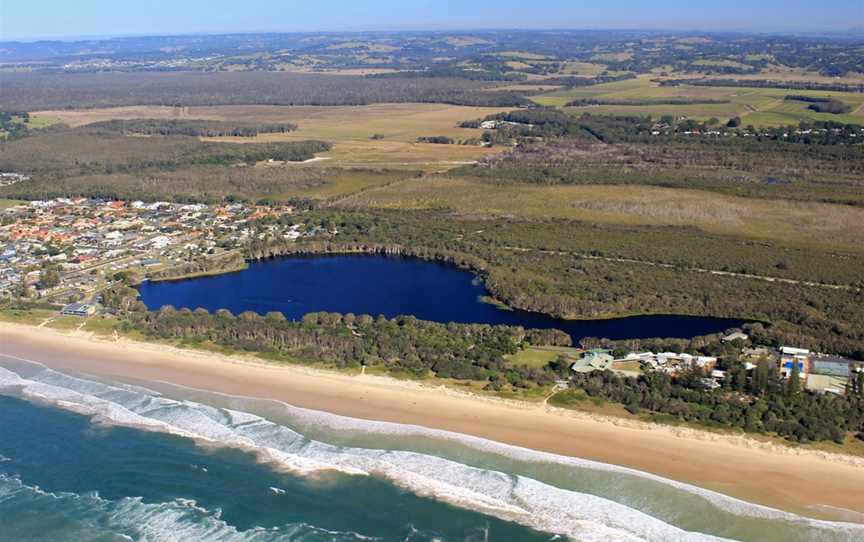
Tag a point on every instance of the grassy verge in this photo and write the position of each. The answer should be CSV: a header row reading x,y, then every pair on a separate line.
x,y
26,316
199,274
7,203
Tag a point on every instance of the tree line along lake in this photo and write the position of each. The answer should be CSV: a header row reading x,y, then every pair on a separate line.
x,y
393,286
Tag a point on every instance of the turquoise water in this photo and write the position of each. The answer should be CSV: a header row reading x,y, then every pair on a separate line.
x,y
103,482
86,459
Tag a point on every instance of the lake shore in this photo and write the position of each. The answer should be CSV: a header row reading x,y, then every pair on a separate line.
x,y
807,482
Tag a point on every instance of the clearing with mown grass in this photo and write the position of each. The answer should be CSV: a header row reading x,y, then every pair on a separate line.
x,y
540,357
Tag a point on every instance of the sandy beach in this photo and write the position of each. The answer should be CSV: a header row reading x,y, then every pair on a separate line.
x,y
806,482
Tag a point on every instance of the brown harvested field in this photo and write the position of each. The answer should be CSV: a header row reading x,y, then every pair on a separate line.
x,y
799,223
403,122
350,128
80,117
403,155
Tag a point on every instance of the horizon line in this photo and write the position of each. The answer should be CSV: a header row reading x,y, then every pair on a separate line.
x,y
857,32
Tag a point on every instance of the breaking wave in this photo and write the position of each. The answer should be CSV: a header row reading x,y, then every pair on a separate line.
x,y
521,499
72,517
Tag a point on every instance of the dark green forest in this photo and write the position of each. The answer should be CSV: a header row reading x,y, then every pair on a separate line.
x,y
195,128
763,403
554,267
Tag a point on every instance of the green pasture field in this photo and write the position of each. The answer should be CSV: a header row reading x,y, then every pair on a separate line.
x,y
756,106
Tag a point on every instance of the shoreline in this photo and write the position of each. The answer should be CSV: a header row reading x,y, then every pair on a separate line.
x,y
810,483
480,273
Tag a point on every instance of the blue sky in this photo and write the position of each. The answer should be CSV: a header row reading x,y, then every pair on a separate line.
x,y
65,18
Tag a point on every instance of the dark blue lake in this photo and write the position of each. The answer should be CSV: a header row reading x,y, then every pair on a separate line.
x,y
392,286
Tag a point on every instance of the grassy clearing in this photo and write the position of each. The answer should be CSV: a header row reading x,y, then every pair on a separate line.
x,y
346,182
535,357
585,69
26,316
402,155
628,366
776,72
800,223
726,63
7,203
613,57
522,55
757,106
41,121
395,122
350,128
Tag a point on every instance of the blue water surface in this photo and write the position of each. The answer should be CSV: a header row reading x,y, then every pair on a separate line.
x,y
64,479
392,286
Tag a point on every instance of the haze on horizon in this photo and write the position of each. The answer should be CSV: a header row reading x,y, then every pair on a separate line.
x,y
56,19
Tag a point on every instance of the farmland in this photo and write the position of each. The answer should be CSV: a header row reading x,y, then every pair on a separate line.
x,y
756,106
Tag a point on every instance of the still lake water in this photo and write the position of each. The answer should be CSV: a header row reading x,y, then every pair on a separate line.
x,y
392,286
85,459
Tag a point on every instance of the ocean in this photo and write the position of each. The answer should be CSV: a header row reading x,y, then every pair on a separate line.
x,y
87,459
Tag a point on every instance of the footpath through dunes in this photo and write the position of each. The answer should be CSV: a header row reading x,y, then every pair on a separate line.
x,y
805,482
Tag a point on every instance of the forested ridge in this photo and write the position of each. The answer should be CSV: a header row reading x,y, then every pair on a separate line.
x,y
31,92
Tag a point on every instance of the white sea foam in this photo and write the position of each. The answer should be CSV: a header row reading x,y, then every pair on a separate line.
x,y
516,498
585,517
180,520
345,424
